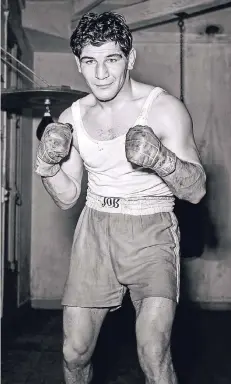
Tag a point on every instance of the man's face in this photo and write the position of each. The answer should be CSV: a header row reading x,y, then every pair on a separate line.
x,y
105,69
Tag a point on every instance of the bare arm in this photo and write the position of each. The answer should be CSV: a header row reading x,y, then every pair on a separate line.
x,y
168,148
188,179
65,186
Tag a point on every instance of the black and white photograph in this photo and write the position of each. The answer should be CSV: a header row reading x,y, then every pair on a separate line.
x,y
115,192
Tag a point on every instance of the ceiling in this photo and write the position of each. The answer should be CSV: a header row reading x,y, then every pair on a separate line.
x,y
143,14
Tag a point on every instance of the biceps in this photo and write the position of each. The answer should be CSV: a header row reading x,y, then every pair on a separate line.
x,y
184,147
73,166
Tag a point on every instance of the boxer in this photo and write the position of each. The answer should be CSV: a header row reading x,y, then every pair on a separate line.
x,y
136,144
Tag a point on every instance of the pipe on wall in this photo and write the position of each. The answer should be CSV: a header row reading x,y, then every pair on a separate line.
x,y
3,159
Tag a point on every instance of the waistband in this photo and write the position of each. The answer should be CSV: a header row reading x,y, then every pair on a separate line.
x,y
130,206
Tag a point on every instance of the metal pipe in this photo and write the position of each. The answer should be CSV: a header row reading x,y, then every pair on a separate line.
x,y
3,165
18,70
25,66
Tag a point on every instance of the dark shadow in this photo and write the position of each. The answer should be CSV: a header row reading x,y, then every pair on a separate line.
x,y
115,358
196,227
200,348
201,345
204,224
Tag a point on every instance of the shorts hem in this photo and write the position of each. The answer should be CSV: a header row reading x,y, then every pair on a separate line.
x,y
93,305
98,303
175,298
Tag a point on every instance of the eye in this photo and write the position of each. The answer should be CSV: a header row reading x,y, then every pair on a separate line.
x,y
112,60
89,62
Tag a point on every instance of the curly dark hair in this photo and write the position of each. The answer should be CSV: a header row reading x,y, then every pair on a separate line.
x,y
97,29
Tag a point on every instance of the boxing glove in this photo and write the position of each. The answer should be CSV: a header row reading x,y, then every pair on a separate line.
x,y
53,147
143,148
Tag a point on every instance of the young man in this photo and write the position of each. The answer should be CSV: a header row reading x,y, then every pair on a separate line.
x,y
137,145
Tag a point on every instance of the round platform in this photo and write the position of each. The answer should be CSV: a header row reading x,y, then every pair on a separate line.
x,y
14,100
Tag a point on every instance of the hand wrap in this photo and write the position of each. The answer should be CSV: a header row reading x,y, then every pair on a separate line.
x,y
53,147
143,148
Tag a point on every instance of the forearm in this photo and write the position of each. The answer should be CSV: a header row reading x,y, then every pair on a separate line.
x,y
63,189
187,181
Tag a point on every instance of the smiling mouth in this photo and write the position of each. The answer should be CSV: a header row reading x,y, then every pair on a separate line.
x,y
103,86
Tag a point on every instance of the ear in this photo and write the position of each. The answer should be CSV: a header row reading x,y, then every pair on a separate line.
x,y
78,64
131,58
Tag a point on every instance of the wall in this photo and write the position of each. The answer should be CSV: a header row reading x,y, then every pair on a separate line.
x,y
206,274
17,282
208,278
24,263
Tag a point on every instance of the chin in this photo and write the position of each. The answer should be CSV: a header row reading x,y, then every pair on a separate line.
x,y
105,96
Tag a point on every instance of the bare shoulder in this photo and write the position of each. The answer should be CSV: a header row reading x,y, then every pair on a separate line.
x,y
169,115
174,106
87,100
141,90
87,103
66,116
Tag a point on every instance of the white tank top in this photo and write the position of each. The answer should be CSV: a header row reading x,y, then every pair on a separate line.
x,y
109,172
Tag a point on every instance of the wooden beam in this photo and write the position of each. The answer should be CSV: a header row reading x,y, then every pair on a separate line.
x,y
110,5
121,3
143,37
151,13
79,7
97,6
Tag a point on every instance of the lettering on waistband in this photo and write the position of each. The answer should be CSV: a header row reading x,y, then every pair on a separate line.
x,y
111,202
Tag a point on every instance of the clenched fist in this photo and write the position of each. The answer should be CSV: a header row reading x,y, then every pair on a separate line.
x,y
53,147
143,148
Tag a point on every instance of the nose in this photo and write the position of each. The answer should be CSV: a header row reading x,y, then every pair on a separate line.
x,y
101,71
